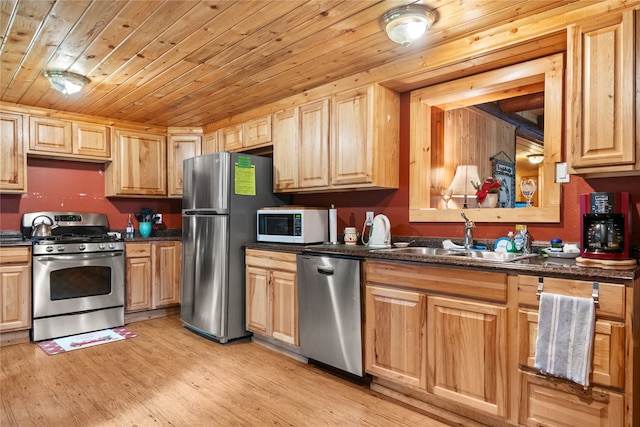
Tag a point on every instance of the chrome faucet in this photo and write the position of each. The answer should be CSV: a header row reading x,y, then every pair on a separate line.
x,y
468,231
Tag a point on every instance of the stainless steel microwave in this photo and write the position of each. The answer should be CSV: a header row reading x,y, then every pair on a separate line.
x,y
293,225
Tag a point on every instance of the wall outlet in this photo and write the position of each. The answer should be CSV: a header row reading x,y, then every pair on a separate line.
x,y
369,219
158,218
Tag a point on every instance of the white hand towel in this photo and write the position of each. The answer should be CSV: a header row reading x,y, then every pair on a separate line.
x,y
564,345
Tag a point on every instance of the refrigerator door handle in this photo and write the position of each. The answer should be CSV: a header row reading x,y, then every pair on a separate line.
x,y
326,270
196,212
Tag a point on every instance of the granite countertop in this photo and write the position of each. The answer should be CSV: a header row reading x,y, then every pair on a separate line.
x,y
558,267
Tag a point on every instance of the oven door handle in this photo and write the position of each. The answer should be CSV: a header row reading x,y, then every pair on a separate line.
x,y
78,257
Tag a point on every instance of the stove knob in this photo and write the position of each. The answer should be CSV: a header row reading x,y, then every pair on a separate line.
x,y
82,247
101,245
112,246
60,248
49,248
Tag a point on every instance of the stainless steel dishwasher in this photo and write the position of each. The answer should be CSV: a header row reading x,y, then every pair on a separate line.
x,y
330,311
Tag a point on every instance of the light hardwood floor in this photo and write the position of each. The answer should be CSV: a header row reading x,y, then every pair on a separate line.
x,y
168,376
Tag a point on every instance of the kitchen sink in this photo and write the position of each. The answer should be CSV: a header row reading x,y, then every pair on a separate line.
x,y
483,255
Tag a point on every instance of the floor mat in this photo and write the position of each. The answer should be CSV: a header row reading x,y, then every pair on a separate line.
x,y
89,339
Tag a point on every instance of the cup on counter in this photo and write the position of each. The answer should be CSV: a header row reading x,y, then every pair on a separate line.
x,y
350,236
145,229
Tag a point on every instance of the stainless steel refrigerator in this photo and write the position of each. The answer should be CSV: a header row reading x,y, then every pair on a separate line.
x,y
221,193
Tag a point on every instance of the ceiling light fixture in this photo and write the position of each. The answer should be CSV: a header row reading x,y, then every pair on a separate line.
x,y
536,159
407,23
65,81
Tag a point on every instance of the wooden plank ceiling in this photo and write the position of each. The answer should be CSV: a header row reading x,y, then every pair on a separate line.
x,y
191,63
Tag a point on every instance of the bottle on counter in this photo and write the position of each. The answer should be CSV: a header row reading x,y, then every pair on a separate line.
x,y
526,241
130,230
518,240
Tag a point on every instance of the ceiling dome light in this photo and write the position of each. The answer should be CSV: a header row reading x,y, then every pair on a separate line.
x,y
536,159
65,81
407,23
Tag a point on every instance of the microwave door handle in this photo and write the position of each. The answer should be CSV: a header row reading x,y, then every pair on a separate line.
x,y
78,257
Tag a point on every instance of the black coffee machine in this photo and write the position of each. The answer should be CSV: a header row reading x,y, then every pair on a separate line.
x,y
605,222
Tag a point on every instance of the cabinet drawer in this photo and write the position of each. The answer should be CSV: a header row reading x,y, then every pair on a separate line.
x,y
468,283
271,260
14,255
549,403
608,348
610,295
138,250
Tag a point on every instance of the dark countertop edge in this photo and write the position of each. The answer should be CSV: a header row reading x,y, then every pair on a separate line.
x,y
562,268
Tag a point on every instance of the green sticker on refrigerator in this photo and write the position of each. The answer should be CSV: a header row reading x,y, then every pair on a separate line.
x,y
245,177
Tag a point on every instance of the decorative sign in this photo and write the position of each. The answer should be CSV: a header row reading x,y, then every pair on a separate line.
x,y
505,173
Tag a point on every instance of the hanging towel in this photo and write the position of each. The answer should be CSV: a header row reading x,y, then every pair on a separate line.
x,y
565,337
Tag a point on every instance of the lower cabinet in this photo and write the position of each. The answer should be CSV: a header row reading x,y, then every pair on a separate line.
x,y
395,335
15,289
153,275
272,295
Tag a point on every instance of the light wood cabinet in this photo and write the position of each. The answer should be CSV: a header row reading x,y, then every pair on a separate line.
x,y
467,353
153,275
365,138
15,289
180,147
252,134
210,143
13,157
395,335
70,140
602,114
139,166
301,147
272,295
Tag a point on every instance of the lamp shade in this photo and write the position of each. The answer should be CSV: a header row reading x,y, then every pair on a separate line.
x,y
407,23
461,184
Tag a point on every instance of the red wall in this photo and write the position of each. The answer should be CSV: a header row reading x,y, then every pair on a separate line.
x,y
56,185
65,185
394,203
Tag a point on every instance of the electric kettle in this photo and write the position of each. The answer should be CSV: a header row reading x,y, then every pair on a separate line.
x,y
380,233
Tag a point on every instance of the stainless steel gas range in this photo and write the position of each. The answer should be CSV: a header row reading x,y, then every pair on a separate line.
x,y
78,273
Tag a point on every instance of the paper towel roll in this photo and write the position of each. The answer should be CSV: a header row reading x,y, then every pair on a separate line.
x,y
333,225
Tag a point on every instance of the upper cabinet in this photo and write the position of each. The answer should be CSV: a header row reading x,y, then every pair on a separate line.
x,y
602,116
353,146
255,133
180,147
139,166
70,140
365,138
431,148
301,147
13,158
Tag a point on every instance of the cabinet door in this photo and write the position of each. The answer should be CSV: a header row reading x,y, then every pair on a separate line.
x,y
467,360
544,403
231,138
257,132
91,140
210,143
15,297
284,307
601,70
139,165
352,142
257,300
285,149
138,284
49,135
166,273
13,159
608,348
180,147
313,156
395,335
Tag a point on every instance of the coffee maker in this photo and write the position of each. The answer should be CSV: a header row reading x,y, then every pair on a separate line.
x,y
605,222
